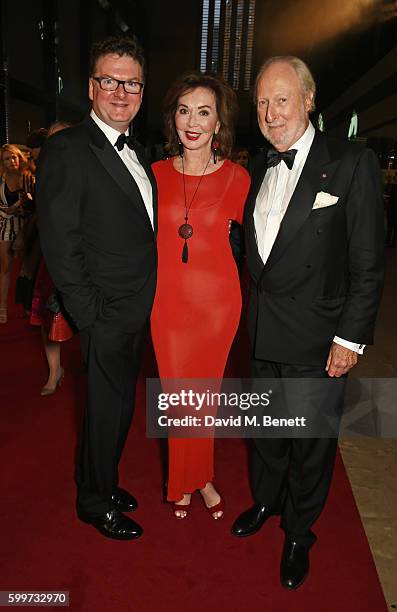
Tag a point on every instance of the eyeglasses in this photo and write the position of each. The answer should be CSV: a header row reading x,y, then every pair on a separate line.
x,y
111,84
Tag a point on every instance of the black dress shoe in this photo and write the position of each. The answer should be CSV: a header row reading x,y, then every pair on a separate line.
x,y
250,521
124,501
294,564
113,524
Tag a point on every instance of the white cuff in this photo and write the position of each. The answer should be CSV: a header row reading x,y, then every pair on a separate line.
x,y
353,346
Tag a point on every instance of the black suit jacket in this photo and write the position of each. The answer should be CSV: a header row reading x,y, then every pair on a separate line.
x,y
97,239
324,273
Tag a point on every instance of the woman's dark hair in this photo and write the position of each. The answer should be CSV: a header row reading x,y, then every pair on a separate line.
x,y
116,45
226,108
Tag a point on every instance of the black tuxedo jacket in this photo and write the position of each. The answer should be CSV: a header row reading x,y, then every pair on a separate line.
x,y
97,239
324,273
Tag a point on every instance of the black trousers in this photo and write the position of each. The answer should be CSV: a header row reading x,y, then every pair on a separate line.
x,y
293,475
113,359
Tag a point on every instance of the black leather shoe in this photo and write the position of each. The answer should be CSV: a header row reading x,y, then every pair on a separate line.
x,y
250,521
113,524
294,564
124,501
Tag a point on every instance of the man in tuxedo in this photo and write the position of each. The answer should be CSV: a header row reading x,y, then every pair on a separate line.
x,y
97,204
314,240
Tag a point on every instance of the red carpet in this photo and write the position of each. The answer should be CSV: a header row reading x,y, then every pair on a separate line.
x,y
192,565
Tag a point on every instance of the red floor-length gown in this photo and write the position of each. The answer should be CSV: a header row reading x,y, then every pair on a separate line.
x,y
197,305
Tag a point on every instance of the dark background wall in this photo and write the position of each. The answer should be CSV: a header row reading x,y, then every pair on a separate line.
x,y
174,35
45,45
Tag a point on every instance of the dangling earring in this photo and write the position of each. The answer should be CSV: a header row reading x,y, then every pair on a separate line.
x,y
180,148
215,145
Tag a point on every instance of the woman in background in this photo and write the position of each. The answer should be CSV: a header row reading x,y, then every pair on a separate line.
x,y
198,301
242,157
28,243
14,194
43,289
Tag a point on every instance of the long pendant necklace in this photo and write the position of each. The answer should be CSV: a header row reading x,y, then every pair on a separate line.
x,y
186,230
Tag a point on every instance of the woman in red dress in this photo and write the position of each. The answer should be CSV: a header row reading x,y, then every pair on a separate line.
x,y
198,300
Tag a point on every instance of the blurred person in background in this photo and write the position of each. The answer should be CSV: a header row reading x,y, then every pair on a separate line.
x,y
44,288
27,244
241,156
391,234
15,188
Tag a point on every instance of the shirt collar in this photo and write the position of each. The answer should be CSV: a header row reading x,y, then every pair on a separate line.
x,y
110,133
304,143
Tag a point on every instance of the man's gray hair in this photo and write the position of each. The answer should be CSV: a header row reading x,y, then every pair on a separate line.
x,y
302,71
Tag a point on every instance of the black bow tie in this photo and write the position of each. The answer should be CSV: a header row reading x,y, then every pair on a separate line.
x,y
124,140
274,157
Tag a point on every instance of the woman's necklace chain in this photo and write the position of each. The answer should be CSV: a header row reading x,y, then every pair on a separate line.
x,y
185,230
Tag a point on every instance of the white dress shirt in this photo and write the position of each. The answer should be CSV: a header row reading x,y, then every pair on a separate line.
x,y
272,202
130,159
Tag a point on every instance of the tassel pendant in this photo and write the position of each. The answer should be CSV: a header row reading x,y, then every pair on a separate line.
x,y
185,253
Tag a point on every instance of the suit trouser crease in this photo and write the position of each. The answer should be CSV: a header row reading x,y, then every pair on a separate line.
x,y
294,473
112,358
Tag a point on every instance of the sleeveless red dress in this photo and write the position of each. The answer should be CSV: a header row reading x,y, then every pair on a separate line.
x,y
197,305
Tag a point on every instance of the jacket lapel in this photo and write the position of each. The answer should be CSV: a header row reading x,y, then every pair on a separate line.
x,y
140,153
301,203
258,174
112,163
